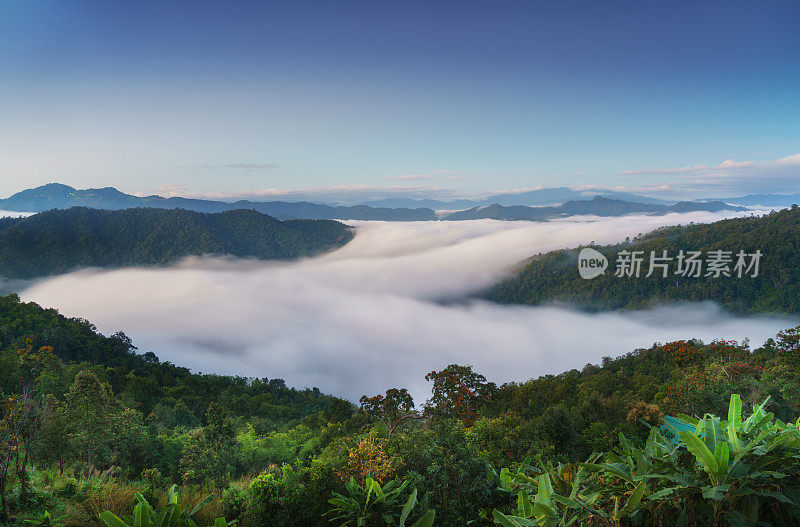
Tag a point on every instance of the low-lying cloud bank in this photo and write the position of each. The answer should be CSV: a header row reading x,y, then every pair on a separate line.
x,y
371,315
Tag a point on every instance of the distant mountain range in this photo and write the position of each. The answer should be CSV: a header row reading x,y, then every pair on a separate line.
x,y
545,196
59,241
58,196
599,206
764,200
534,205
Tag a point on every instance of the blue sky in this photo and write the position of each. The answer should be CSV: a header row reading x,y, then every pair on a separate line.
x,y
370,99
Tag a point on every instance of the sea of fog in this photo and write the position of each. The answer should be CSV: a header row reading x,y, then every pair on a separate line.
x,y
380,312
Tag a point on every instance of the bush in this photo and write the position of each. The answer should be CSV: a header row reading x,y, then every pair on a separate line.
x,y
234,502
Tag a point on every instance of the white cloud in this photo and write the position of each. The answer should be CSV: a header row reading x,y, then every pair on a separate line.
x,y
236,166
383,310
726,179
436,174
339,194
411,177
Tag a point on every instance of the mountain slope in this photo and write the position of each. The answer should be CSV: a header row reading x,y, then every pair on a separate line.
x,y
553,277
61,240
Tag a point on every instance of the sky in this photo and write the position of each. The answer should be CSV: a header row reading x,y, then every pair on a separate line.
x,y
418,99
385,309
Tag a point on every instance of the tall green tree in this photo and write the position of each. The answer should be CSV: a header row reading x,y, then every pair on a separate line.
x,y
91,410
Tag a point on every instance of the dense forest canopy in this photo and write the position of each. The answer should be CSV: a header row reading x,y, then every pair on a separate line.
x,y
87,422
554,278
58,241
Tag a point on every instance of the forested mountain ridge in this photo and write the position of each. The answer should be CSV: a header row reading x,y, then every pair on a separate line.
x,y
58,241
147,383
553,277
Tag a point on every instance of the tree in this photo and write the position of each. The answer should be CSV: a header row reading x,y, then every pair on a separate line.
x,y
28,425
390,409
210,450
458,392
9,442
91,412
789,340
54,444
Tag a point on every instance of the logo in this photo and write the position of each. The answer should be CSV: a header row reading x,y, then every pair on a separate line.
x,y
591,263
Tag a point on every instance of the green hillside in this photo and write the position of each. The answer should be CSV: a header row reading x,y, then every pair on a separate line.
x,y
58,241
553,277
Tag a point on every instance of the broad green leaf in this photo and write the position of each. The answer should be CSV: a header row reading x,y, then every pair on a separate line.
x,y
545,489
505,479
735,412
633,500
111,519
574,504
426,520
733,438
411,502
721,455
208,499
505,521
710,433
523,505
700,451
663,493
544,513
716,493
736,519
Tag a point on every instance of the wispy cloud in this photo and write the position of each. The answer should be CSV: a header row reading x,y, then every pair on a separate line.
x,y
233,166
439,173
411,177
728,178
344,194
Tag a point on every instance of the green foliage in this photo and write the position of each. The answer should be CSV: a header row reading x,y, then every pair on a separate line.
x,y
390,409
172,515
92,412
274,456
58,241
46,521
739,471
373,505
458,392
233,502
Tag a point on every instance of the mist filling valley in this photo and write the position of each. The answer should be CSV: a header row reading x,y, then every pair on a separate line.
x,y
379,312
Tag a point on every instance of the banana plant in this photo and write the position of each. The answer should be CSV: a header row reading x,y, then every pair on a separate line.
x,y
46,520
373,505
741,471
740,455
172,515
538,501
